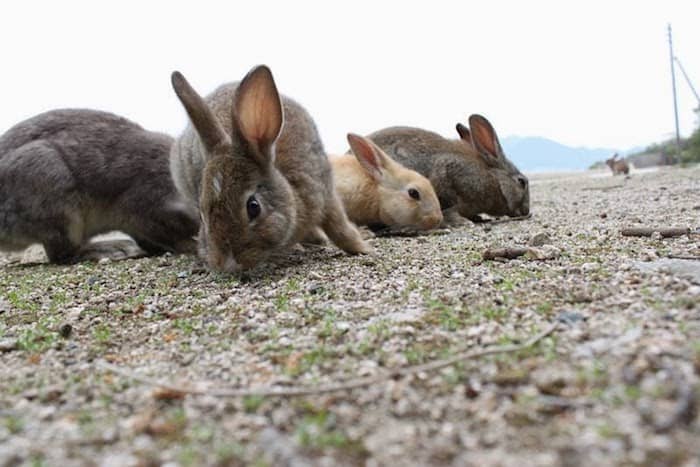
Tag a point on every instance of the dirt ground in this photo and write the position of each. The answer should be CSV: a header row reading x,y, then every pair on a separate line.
x,y
616,382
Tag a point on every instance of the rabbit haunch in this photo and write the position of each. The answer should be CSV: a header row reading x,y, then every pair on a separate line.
x,y
470,174
253,165
377,190
68,175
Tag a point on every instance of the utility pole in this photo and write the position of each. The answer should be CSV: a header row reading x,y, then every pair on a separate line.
x,y
675,103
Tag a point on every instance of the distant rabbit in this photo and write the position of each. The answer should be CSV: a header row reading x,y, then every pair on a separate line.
x,y
378,191
618,166
68,175
471,174
255,168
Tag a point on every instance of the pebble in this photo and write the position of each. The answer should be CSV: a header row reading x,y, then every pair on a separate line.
x,y
65,330
8,345
539,239
570,317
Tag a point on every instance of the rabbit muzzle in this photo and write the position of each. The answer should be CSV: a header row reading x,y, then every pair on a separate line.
x,y
224,263
432,221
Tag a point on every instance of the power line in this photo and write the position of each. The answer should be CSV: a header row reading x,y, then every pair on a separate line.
x,y
673,84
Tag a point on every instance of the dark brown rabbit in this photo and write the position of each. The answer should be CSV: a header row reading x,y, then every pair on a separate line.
x,y
618,166
254,166
470,174
68,175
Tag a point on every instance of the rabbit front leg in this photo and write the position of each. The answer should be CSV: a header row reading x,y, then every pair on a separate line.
x,y
166,229
60,249
340,230
111,249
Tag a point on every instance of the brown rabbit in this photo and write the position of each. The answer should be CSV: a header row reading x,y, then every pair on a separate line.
x,y
378,191
254,166
471,174
618,166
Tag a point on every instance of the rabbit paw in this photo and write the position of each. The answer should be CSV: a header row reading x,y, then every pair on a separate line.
x,y
110,249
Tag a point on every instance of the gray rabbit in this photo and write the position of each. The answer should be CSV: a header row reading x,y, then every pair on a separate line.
x,y
470,174
68,175
253,164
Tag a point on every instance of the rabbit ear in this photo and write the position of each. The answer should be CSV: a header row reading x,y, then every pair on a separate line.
x,y
370,157
464,134
484,137
258,109
208,127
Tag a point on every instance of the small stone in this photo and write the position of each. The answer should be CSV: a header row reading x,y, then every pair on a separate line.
x,y
510,377
539,239
8,345
51,393
65,330
284,341
570,317
543,253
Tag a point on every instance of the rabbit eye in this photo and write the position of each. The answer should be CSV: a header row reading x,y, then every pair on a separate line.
x,y
522,181
253,207
413,193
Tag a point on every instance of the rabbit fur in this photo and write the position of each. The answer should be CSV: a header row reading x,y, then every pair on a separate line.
x,y
253,164
470,174
618,166
68,175
378,191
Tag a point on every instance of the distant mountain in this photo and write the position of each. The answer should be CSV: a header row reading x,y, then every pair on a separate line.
x,y
536,154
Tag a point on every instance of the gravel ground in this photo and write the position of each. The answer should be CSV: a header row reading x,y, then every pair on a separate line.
x,y
616,383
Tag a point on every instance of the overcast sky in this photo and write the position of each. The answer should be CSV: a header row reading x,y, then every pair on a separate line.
x,y
589,73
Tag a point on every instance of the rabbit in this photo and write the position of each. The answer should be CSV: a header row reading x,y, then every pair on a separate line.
x,y
470,174
253,164
67,175
379,192
618,166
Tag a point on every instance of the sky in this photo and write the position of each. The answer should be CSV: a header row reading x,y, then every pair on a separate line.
x,y
583,73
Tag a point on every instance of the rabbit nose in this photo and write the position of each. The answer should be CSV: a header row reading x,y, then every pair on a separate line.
x,y
432,221
224,264
524,210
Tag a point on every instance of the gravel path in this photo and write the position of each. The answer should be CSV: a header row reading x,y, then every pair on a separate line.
x,y
615,383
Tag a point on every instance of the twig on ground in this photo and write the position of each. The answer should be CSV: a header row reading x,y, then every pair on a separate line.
x,y
509,219
665,232
507,253
408,232
687,257
686,406
333,387
602,188
541,253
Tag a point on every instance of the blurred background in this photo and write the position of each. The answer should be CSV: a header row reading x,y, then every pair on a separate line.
x,y
565,84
